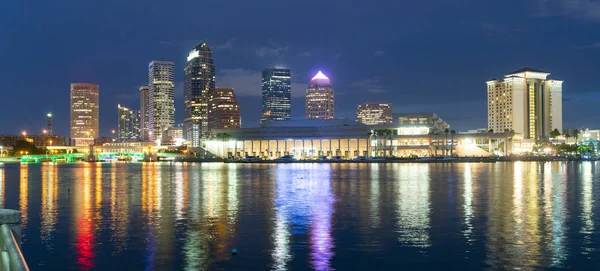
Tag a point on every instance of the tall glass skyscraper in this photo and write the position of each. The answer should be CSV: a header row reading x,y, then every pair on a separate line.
x,y
276,94
198,82
319,98
162,98
128,124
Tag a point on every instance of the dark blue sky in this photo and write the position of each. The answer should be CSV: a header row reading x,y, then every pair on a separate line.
x,y
420,55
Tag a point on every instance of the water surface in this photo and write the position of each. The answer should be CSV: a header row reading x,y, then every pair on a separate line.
x,y
176,216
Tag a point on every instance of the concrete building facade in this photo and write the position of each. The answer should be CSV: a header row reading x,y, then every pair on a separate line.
x,y
144,113
527,102
224,110
84,113
320,102
162,98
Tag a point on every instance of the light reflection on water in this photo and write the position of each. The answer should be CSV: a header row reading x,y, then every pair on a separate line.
x,y
173,216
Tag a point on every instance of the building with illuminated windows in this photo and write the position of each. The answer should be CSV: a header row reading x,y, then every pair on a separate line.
x,y
84,113
420,134
374,113
276,94
224,110
319,98
144,113
128,124
527,102
198,81
161,101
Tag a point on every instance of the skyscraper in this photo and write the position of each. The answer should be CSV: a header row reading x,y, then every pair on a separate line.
x,y
144,113
276,94
199,80
374,113
224,109
128,125
84,113
319,98
161,100
526,102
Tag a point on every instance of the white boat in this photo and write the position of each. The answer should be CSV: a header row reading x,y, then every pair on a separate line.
x,y
360,159
286,158
251,159
336,159
322,158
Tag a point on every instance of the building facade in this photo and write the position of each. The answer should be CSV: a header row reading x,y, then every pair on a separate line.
x,y
224,110
84,113
527,102
374,113
161,100
276,94
319,98
199,80
144,113
128,124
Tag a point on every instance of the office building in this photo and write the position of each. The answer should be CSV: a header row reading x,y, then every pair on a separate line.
x,y
161,100
319,98
276,94
129,124
199,80
374,113
84,113
144,113
224,109
527,102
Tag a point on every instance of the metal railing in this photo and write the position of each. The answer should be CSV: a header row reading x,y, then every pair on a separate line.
x,y
10,252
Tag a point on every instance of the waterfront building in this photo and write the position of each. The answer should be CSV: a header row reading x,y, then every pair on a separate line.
x,y
42,141
276,94
319,98
224,110
173,137
527,102
84,113
419,134
128,124
161,98
374,113
144,113
199,80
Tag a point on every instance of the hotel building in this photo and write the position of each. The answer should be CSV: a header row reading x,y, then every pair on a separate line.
x,y
198,81
374,113
128,124
319,98
224,110
527,102
276,94
162,98
84,113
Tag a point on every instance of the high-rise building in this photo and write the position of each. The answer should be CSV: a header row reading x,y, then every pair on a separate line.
x,y
276,94
144,113
224,109
374,113
49,123
526,102
84,113
129,124
319,98
199,80
161,100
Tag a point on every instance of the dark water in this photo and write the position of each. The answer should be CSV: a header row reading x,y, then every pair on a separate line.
x,y
526,216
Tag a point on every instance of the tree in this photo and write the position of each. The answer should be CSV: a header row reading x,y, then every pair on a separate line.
x,y
453,132
576,135
369,135
491,131
567,135
446,131
554,133
430,134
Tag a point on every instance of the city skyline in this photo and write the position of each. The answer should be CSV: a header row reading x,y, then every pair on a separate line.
x,y
394,65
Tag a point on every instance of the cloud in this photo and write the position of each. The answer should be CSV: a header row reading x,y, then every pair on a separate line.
x,y
248,82
493,29
379,53
372,85
227,45
305,54
578,9
271,52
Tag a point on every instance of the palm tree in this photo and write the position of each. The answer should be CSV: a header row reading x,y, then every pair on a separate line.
x,y
576,135
453,132
430,134
369,134
567,135
446,131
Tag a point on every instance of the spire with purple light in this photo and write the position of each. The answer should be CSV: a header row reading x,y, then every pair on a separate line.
x,y
320,79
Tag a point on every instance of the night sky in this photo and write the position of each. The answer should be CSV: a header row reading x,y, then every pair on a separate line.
x,y
420,55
